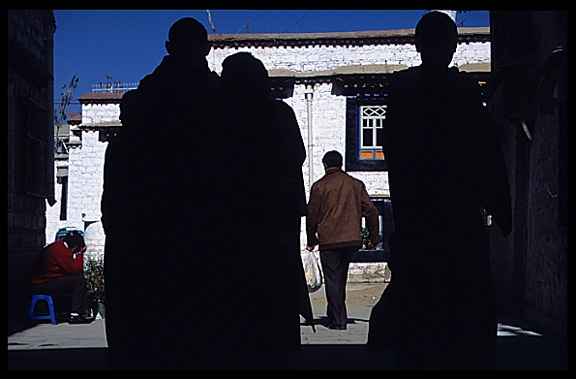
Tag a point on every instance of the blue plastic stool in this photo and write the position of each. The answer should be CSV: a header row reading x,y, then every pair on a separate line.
x,y
49,301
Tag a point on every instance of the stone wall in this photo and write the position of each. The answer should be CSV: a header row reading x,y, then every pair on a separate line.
x,y
30,96
326,57
547,260
530,265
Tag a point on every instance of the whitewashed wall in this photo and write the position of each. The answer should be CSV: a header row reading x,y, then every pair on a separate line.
x,y
85,181
86,161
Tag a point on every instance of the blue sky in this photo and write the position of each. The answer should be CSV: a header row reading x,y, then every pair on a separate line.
x,y
129,44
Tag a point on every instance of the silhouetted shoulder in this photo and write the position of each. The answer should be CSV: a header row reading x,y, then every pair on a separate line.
x,y
466,88
399,79
154,80
464,80
464,77
214,83
282,107
284,114
129,107
406,82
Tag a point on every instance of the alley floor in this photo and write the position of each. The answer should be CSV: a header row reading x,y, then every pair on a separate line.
x,y
83,347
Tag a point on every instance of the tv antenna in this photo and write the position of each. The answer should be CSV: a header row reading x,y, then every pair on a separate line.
x,y
211,22
61,114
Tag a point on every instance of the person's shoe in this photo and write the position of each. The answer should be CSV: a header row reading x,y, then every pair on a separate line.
x,y
79,319
337,326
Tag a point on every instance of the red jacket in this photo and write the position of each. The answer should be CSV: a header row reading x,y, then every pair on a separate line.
x,y
54,261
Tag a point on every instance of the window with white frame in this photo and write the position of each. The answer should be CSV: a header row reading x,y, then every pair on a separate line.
x,y
371,123
365,116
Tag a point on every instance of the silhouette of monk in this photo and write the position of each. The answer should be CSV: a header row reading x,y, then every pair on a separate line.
x,y
156,211
264,161
445,164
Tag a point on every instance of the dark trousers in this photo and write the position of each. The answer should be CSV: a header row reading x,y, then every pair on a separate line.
x,y
335,269
72,287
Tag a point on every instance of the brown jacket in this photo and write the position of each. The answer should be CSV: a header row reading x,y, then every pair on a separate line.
x,y
335,210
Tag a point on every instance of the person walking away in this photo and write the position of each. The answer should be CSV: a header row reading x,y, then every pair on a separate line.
x,y
335,210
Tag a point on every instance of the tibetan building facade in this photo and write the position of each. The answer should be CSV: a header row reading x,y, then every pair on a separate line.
x,y
336,85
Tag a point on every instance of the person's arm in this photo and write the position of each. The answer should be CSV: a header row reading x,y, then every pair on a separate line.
x,y
65,260
312,218
370,213
495,196
491,174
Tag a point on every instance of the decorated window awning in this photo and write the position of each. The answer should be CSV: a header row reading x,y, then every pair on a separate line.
x,y
346,80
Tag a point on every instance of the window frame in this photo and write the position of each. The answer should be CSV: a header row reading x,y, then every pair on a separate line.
x,y
354,161
374,127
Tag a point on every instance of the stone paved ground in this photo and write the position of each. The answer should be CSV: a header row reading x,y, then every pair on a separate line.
x,y
65,346
361,297
61,336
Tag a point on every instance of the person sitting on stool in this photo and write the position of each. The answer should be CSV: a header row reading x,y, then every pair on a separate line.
x,y
59,271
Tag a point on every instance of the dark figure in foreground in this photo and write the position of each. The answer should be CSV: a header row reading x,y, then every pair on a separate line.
x,y
164,285
335,210
202,202
445,164
59,271
264,171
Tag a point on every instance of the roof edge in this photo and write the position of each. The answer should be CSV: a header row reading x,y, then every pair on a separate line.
x,y
334,36
106,97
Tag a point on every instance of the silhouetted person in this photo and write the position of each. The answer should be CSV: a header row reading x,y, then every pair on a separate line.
x,y
264,163
163,287
445,164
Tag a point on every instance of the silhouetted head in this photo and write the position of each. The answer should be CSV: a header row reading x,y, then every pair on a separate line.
x,y
436,39
187,38
74,241
242,74
332,159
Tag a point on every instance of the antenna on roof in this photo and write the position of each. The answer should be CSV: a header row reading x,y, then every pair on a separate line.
x,y
113,86
61,114
211,22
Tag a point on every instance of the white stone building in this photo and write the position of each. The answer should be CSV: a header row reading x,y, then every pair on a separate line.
x,y
335,82
83,170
